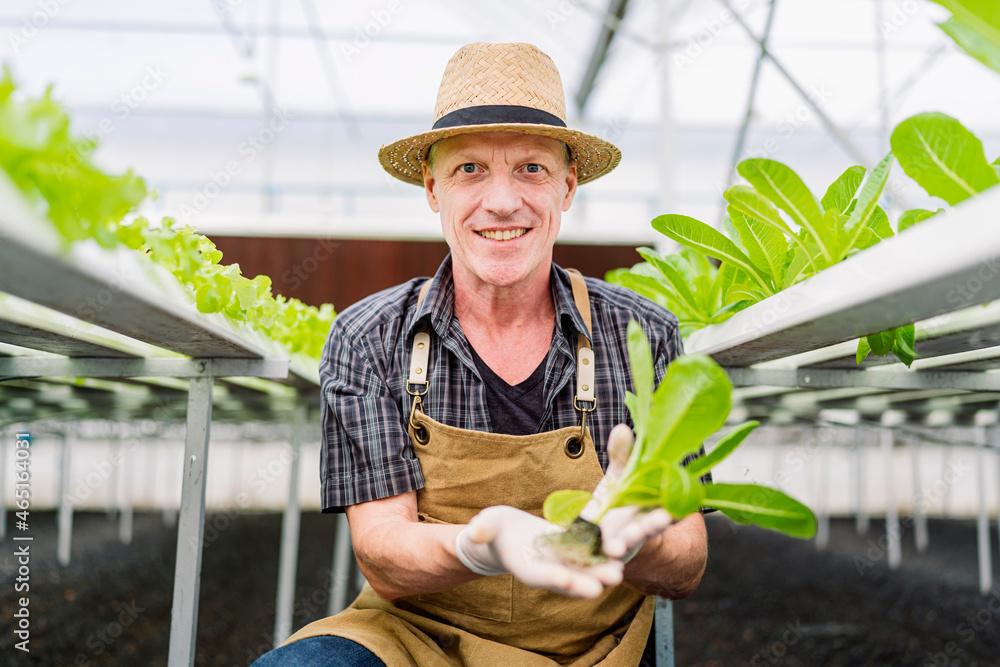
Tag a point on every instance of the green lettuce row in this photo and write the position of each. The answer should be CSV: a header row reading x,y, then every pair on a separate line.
x,y
55,173
777,233
221,288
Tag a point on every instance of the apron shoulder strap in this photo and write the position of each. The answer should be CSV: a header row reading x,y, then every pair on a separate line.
x,y
421,349
581,297
584,354
423,291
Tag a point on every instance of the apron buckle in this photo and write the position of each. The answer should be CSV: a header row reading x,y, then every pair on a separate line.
x,y
420,434
574,443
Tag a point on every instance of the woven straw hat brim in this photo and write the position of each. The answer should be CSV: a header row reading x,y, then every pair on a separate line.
x,y
594,156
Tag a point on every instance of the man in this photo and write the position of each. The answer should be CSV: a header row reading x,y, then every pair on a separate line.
x,y
451,410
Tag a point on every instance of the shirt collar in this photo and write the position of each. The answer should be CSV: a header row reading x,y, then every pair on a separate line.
x,y
569,318
438,305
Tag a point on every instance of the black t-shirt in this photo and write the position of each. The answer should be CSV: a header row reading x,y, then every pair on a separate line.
x,y
514,409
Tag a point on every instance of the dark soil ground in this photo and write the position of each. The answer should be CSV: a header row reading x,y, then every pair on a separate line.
x,y
765,600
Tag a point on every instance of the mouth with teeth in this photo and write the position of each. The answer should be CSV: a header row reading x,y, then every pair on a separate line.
x,y
503,235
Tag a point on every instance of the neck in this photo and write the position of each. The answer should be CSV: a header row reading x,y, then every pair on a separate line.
x,y
492,309
509,327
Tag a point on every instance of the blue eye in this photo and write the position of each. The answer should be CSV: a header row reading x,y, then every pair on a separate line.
x,y
533,168
468,168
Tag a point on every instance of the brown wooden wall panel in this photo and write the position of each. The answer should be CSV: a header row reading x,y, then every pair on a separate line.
x,y
344,271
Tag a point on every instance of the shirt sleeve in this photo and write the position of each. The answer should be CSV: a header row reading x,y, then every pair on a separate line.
x,y
366,452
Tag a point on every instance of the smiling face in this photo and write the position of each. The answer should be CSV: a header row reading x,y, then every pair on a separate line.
x,y
500,196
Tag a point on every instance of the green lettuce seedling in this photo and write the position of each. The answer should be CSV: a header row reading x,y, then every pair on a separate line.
x,y
671,423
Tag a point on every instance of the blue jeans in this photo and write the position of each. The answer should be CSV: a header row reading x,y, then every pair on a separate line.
x,y
324,651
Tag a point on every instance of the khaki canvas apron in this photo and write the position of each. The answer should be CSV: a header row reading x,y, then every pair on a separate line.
x,y
497,620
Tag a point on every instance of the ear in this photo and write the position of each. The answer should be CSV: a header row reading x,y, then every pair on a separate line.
x,y
570,186
432,200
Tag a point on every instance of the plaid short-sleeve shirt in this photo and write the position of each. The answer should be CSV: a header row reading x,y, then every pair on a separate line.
x,y
366,453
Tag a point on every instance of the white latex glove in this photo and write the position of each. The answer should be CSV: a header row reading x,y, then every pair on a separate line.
x,y
623,529
503,539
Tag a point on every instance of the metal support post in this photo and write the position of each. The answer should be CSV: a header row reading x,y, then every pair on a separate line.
x,y
667,136
666,130
919,515
169,512
995,439
65,518
289,537
3,482
236,469
340,572
114,456
892,529
822,501
150,456
982,518
663,619
946,499
858,455
191,526
124,499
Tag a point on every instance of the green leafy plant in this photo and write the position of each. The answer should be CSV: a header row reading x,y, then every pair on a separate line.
x,y
687,284
944,158
55,173
671,423
975,27
221,288
778,234
54,170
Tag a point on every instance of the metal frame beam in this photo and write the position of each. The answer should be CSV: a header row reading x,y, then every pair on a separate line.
x,y
982,516
191,526
920,537
125,501
288,561
65,517
612,18
663,619
858,457
340,574
3,481
852,149
892,525
741,137
889,379
100,367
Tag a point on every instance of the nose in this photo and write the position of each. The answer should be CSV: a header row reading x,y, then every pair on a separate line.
x,y
501,197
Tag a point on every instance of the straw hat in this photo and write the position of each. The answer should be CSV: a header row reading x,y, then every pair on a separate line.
x,y
500,88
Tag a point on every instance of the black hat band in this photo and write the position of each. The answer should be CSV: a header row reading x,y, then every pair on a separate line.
x,y
497,113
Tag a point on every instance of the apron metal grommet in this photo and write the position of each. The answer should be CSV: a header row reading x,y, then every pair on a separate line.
x,y
573,447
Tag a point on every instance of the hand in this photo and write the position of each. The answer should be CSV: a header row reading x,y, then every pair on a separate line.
x,y
503,539
623,529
